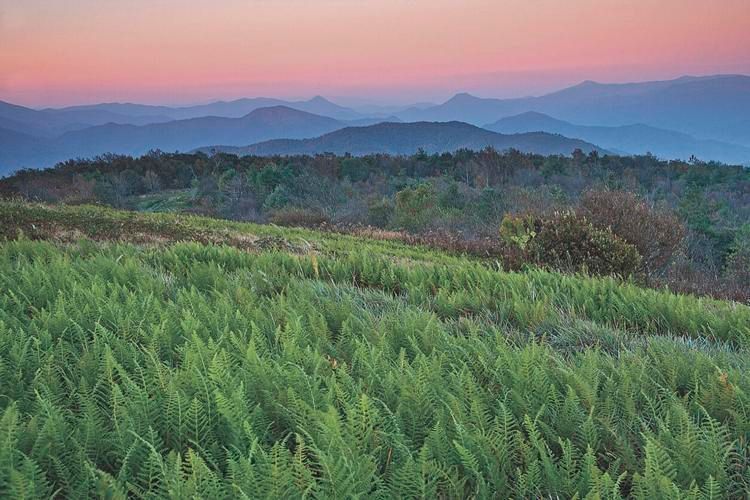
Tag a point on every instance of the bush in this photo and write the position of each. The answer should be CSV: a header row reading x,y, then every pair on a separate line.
x,y
569,242
737,272
279,199
656,234
451,197
380,212
517,231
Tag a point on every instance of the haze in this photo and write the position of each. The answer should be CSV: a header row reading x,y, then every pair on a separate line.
x,y
56,53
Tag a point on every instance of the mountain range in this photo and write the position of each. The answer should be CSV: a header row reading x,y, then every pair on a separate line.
x,y
627,139
20,149
708,107
227,109
408,138
707,117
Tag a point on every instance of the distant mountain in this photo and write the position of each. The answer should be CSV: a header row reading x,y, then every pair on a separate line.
x,y
183,135
29,121
704,116
364,122
15,146
467,108
179,135
82,118
710,107
52,122
381,110
407,138
628,139
227,109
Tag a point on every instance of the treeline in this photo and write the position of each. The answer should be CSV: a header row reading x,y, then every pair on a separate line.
x,y
681,224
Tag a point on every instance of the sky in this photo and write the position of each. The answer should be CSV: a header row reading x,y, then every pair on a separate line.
x,y
63,52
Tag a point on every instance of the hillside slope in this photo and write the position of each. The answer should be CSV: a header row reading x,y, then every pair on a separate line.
x,y
407,138
290,363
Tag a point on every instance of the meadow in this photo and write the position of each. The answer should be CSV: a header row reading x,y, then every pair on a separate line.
x,y
174,356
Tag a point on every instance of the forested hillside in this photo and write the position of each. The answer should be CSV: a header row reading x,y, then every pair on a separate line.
x,y
261,362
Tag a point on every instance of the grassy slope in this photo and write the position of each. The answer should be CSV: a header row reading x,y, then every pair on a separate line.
x,y
287,362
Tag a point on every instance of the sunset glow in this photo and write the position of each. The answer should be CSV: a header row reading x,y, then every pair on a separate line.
x,y
56,52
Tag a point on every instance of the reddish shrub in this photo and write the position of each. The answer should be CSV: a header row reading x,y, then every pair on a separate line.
x,y
655,233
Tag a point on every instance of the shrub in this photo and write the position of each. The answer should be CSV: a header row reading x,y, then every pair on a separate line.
x,y
279,199
452,197
415,206
517,231
655,233
737,272
380,212
569,242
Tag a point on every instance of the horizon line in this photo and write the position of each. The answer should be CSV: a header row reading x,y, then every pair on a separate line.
x,y
372,101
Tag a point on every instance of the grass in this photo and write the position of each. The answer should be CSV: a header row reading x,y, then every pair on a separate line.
x,y
156,355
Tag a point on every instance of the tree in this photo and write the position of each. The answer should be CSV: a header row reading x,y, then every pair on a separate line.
x,y
354,169
151,181
414,206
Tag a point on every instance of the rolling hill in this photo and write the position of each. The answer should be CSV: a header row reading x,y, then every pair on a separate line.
x,y
407,138
627,139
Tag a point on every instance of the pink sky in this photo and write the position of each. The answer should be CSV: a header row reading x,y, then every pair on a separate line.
x,y
58,52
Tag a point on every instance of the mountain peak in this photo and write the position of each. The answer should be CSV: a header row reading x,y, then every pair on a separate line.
x,y
587,83
463,97
319,99
532,114
277,110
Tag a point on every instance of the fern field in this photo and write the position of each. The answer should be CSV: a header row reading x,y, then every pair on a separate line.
x,y
348,369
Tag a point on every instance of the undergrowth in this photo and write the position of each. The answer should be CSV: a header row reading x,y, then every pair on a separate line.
x,y
346,368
